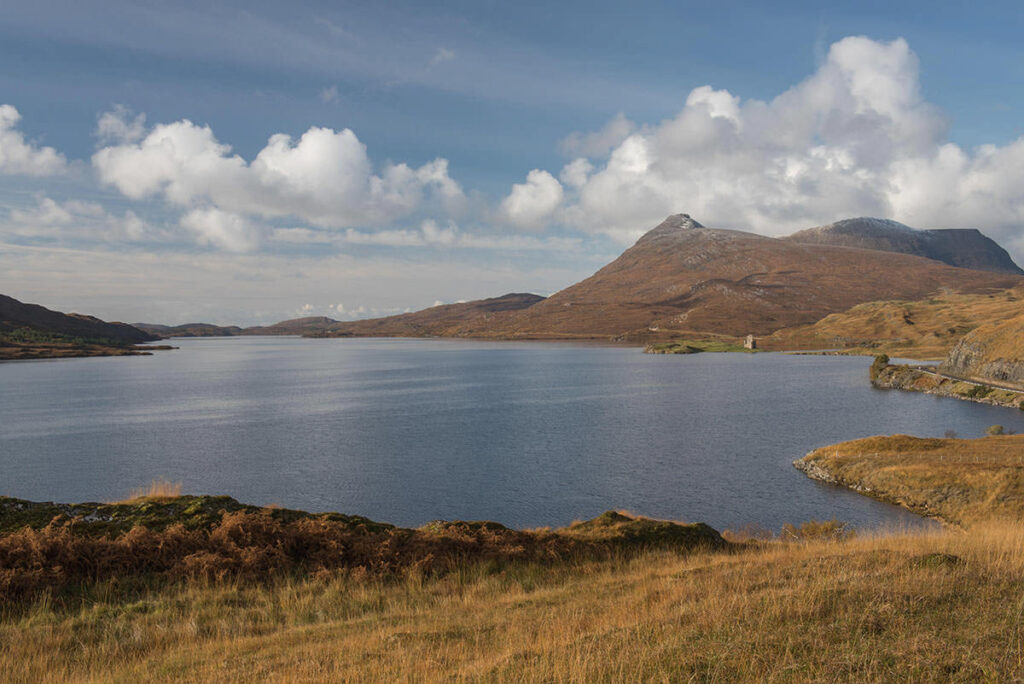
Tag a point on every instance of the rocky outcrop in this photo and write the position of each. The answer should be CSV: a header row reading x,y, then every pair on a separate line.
x,y
992,352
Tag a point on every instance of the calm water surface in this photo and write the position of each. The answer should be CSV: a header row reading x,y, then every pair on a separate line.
x,y
408,431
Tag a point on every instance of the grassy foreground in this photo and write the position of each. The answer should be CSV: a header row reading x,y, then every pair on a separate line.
x,y
182,588
962,481
943,606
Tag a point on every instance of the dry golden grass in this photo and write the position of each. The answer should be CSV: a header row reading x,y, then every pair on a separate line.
x,y
160,488
922,329
962,481
943,606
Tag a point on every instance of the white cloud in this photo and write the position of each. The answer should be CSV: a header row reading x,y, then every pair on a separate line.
x,y
18,157
75,220
222,229
854,138
532,203
119,126
325,177
575,173
442,55
329,94
598,144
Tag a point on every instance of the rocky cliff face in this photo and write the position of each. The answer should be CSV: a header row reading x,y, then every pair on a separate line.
x,y
993,352
963,247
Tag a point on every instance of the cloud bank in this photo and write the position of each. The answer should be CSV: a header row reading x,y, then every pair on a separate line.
x,y
324,178
855,138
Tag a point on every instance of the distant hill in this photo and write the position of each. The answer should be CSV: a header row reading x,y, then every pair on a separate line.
x,y
190,330
15,315
445,319
966,247
682,277
993,352
294,326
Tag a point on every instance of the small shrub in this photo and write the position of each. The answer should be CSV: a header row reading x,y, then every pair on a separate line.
x,y
978,392
950,434
995,430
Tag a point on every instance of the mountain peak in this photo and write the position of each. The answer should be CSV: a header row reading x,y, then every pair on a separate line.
x,y
674,226
677,222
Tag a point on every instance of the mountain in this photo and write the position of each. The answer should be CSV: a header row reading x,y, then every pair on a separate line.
x,y
190,330
682,277
295,326
964,247
445,319
993,352
15,316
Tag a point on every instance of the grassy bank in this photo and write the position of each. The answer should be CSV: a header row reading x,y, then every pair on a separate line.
x,y
54,549
928,607
962,481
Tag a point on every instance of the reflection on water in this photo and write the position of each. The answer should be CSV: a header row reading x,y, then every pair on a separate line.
x,y
413,430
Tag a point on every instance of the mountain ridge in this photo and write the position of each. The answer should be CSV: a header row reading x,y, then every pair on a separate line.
x,y
682,276
963,247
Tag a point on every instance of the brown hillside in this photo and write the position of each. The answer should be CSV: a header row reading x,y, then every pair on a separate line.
x,y
481,315
294,326
15,316
920,329
682,277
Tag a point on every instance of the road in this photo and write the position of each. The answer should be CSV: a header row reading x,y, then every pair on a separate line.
x,y
931,370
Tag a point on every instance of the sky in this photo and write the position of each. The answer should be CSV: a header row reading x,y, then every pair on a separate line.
x,y
244,163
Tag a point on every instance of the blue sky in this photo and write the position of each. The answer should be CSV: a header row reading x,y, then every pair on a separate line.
x,y
564,130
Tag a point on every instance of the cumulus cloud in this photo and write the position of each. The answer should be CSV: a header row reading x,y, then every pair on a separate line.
x,y
598,143
324,178
575,173
854,138
222,229
78,221
532,203
20,157
120,126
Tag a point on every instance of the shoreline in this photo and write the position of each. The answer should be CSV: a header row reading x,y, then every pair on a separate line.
x,y
959,482
49,352
910,379
816,472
